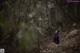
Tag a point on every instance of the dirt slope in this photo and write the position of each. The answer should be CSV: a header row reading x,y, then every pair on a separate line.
x,y
69,43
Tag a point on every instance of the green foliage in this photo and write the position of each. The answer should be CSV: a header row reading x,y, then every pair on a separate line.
x,y
27,36
26,41
20,25
34,32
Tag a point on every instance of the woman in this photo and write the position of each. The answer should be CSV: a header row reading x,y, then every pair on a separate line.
x,y
56,37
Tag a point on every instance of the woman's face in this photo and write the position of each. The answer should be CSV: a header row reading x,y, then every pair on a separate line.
x,y
56,31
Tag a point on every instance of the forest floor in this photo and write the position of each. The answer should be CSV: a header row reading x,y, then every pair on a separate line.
x,y
66,45
49,46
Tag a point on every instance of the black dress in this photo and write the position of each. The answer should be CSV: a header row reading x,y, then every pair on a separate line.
x,y
56,37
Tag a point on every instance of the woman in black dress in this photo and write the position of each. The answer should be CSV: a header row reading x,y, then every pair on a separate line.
x,y
56,37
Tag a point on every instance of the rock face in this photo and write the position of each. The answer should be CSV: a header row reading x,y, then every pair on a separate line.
x,y
72,34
